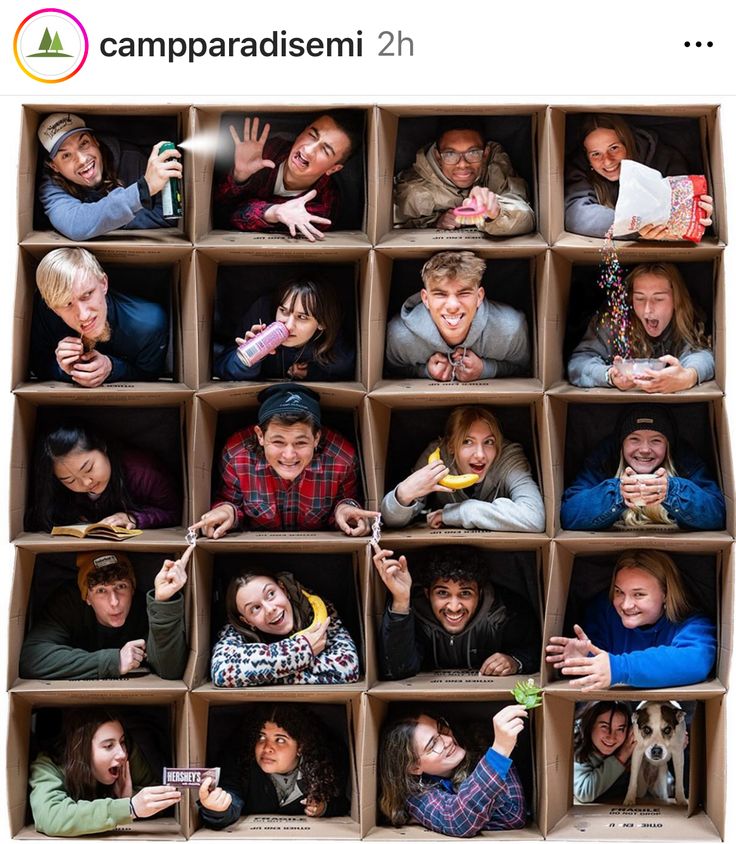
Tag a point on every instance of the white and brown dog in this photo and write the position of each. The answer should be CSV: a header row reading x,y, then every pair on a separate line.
x,y
661,735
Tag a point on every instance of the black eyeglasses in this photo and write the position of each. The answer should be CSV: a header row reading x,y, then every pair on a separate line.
x,y
472,156
435,745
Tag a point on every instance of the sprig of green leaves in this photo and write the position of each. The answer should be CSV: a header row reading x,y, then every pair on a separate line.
x,y
527,693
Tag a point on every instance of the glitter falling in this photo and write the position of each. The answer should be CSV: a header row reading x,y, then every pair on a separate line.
x,y
617,315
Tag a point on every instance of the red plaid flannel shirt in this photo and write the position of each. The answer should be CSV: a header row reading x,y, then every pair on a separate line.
x,y
264,500
245,204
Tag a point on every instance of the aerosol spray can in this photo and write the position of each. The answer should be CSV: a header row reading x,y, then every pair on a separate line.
x,y
266,341
171,193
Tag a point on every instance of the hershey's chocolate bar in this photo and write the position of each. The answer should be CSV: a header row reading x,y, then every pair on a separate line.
x,y
190,777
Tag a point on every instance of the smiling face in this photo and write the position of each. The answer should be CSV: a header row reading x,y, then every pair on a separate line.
x,y
318,151
276,751
462,173
85,312
605,152
111,602
644,451
108,752
477,451
296,317
79,160
454,603
435,746
289,449
83,471
452,304
264,605
653,302
609,733
638,598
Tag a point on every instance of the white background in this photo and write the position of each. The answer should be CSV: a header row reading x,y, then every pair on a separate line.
x,y
464,52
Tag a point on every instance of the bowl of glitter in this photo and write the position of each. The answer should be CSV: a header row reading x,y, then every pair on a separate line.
x,y
632,367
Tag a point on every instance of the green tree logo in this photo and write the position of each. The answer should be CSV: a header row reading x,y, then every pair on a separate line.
x,y
49,47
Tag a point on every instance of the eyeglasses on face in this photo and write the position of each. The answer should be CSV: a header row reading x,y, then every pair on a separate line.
x,y
436,744
472,156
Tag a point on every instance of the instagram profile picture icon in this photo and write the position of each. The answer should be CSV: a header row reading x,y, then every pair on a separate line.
x,y
50,45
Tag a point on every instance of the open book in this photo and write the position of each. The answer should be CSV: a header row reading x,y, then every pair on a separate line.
x,y
98,530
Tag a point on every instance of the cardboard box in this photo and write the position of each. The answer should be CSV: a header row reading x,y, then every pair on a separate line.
x,y
40,568
516,568
236,279
578,420
402,426
581,567
138,124
513,277
160,273
211,161
402,129
212,711
23,710
702,820
336,574
700,123
162,425
571,296
379,706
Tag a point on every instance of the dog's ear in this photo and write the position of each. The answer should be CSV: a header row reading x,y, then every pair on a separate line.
x,y
680,715
634,717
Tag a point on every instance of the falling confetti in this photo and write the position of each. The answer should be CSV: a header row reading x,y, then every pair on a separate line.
x,y
617,314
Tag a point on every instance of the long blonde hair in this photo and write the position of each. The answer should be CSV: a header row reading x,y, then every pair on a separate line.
x,y
459,422
636,517
687,324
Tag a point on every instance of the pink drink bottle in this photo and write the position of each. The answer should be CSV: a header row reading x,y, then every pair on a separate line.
x,y
266,341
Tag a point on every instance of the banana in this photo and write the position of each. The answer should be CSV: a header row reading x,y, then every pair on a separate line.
x,y
318,609
453,481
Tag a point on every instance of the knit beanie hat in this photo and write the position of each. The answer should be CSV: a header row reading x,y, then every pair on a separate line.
x,y
288,398
647,417
90,562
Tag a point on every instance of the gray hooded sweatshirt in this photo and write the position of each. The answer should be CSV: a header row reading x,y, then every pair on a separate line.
x,y
498,334
507,499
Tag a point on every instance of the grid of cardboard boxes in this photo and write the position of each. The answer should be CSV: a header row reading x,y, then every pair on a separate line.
x,y
198,271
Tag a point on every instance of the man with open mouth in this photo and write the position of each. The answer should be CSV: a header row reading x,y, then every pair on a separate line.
x,y
278,185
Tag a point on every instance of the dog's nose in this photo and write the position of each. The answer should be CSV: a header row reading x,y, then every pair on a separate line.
x,y
656,752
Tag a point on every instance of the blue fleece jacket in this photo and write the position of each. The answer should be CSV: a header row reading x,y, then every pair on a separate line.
x,y
657,655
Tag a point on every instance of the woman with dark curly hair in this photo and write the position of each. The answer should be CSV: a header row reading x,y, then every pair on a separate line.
x,y
87,786
81,477
289,767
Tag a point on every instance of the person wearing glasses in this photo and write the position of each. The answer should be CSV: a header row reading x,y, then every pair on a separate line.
x,y
459,168
427,777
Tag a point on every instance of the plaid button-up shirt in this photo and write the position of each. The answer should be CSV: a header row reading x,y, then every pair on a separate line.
x,y
490,798
264,500
242,206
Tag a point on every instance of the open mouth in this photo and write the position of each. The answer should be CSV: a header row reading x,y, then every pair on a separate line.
x,y
114,771
275,622
651,325
454,618
300,161
452,321
477,468
88,171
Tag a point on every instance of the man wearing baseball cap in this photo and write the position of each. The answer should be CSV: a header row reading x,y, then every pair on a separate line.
x,y
93,184
100,628
287,472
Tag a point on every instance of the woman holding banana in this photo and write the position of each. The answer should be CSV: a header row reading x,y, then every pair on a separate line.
x,y
493,490
278,632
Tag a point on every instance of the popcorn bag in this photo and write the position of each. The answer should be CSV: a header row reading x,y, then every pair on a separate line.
x,y
646,197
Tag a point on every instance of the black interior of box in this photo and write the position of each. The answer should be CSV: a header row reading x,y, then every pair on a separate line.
x,y
151,283
142,131
586,297
510,281
331,576
240,286
512,131
472,726
412,429
158,430
350,180
589,424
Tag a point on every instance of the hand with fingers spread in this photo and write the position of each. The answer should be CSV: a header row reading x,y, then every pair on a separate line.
x,y
217,522
248,153
172,577
396,577
562,648
354,521
216,800
132,655
154,799
297,218
123,785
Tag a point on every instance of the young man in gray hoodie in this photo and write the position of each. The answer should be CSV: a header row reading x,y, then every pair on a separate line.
x,y
449,331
